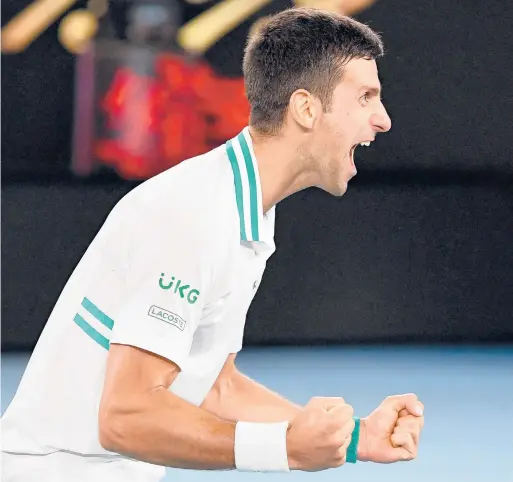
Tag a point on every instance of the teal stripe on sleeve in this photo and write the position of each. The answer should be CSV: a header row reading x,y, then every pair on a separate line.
x,y
252,186
238,188
97,313
91,332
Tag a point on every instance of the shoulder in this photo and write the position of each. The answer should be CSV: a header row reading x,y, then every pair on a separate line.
x,y
192,204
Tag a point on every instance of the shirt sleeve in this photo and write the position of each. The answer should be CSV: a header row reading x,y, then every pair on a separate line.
x,y
167,284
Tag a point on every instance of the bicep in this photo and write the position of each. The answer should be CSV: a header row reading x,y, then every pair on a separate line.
x,y
132,369
131,373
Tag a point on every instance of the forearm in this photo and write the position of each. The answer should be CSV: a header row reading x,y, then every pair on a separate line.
x,y
241,398
163,429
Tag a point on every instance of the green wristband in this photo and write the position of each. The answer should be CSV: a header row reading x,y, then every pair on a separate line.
x,y
352,450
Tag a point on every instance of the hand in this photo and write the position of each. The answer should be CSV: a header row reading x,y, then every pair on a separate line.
x,y
391,433
319,435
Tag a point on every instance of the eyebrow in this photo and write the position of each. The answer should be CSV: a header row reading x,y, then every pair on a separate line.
x,y
374,91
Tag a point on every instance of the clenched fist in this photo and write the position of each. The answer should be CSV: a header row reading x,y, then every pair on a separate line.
x,y
318,437
391,432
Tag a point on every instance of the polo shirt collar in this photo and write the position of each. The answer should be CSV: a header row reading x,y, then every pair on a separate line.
x,y
248,190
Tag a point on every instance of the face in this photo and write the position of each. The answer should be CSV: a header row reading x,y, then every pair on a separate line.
x,y
356,116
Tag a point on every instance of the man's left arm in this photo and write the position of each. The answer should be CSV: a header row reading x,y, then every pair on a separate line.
x,y
389,434
235,397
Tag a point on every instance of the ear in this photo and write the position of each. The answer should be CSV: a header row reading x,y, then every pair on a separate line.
x,y
304,108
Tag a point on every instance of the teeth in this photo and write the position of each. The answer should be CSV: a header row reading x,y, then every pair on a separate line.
x,y
365,144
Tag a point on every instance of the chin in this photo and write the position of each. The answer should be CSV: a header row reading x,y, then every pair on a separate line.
x,y
338,190
343,183
338,186
342,190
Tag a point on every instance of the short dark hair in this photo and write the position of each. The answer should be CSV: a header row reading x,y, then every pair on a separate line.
x,y
300,48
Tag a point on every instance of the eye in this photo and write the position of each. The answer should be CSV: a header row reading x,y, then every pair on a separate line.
x,y
365,99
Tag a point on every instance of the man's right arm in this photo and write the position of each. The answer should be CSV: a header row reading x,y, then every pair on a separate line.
x,y
166,289
141,419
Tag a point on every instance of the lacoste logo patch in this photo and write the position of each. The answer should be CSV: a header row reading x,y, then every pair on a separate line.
x,y
167,316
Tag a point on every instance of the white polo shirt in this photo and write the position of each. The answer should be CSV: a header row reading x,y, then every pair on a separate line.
x,y
173,271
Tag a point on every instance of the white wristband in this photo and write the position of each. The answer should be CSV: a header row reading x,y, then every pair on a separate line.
x,y
261,447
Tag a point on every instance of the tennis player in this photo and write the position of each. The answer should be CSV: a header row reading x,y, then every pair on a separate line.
x,y
135,369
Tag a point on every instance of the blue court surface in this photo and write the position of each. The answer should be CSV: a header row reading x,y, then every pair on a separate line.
x,y
467,392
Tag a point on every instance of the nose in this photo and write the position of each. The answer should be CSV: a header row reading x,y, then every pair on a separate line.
x,y
381,121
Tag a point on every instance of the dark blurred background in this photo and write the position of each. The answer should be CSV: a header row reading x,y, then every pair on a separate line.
x,y
420,248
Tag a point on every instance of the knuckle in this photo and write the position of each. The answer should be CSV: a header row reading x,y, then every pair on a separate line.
x,y
338,402
411,455
336,442
417,426
349,427
409,396
339,440
315,401
326,401
410,423
346,412
345,444
340,458
407,424
317,411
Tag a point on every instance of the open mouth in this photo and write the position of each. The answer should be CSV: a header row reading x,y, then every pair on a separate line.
x,y
351,153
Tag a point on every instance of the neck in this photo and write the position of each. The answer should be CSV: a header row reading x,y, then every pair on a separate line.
x,y
282,166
